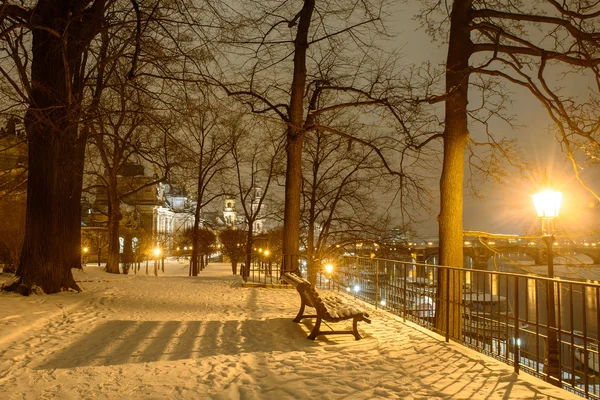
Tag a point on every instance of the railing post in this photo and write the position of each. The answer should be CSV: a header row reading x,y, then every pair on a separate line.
x,y
376,283
448,305
517,359
404,269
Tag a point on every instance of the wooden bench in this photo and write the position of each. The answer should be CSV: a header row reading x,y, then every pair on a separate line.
x,y
329,308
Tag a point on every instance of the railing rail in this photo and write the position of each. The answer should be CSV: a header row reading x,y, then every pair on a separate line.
x,y
503,314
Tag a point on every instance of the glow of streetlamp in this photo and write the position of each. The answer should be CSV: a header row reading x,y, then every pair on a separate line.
x,y
85,250
547,206
329,268
547,203
157,251
266,253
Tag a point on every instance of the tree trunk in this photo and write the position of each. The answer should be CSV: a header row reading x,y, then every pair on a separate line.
x,y
52,242
249,242
456,136
295,136
49,248
234,267
310,252
114,246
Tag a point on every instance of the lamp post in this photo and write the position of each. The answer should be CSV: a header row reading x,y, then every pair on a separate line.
x,y
547,205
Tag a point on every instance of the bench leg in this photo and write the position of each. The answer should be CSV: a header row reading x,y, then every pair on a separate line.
x,y
315,332
355,329
300,313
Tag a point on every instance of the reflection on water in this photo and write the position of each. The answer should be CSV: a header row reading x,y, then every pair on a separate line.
x,y
578,311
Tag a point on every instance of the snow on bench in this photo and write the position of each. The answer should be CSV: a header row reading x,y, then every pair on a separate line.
x,y
329,308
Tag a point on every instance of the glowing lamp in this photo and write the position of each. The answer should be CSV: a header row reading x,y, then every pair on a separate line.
x,y
266,253
157,251
547,203
329,268
85,249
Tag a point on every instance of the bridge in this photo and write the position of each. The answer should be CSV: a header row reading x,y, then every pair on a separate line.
x,y
481,248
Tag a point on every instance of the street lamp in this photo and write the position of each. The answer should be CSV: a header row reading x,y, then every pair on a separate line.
x,y
547,205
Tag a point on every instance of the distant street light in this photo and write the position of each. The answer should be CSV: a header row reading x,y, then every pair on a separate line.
x,y
547,205
84,251
329,269
156,258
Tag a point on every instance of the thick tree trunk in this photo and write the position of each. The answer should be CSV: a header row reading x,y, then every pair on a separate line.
x,y
50,248
52,243
456,135
295,136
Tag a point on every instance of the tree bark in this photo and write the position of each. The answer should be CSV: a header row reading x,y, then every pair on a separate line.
x,y
249,243
310,249
114,219
455,136
295,136
52,243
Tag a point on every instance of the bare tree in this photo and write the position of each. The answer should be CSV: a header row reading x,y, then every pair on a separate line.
x,y
60,92
234,245
527,44
96,239
60,35
343,192
125,134
204,147
301,63
257,153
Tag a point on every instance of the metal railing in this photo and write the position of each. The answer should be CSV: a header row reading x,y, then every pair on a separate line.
x,y
264,271
503,314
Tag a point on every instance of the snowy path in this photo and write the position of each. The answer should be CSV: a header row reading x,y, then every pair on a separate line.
x,y
176,337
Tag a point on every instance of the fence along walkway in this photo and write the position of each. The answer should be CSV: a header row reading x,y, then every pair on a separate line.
x,y
504,314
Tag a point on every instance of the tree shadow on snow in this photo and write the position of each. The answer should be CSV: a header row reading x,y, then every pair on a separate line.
x,y
125,342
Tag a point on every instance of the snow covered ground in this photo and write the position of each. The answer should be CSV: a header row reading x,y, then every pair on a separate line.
x,y
177,337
